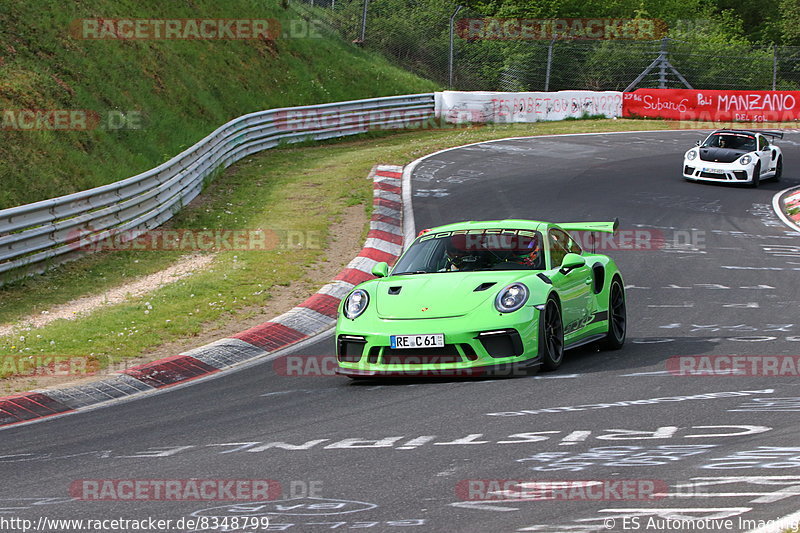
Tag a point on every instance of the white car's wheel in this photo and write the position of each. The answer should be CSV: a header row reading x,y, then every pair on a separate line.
x,y
756,175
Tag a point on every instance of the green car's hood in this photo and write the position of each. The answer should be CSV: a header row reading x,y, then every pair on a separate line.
x,y
439,295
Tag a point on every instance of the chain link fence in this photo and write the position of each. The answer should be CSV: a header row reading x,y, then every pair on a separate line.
x,y
419,40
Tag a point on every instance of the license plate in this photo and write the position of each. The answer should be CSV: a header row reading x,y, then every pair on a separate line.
x,y
714,170
435,340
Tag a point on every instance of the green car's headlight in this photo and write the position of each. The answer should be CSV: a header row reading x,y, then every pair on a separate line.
x,y
745,160
691,154
511,298
356,303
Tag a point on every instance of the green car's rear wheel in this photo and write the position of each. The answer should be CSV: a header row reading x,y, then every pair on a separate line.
x,y
551,335
617,317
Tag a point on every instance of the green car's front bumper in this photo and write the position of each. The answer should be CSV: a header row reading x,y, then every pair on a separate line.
x,y
473,347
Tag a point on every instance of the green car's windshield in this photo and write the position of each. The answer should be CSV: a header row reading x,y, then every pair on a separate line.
x,y
471,250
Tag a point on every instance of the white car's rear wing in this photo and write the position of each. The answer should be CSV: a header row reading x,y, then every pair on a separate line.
x,y
778,134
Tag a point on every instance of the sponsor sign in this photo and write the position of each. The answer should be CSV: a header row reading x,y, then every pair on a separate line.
x,y
712,105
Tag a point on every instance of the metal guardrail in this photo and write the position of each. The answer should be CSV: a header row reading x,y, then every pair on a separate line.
x,y
37,236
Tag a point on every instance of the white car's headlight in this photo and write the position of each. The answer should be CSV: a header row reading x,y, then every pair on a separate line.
x,y
356,303
745,160
511,298
691,154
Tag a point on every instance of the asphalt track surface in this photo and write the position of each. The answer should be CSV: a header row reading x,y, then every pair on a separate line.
x,y
392,456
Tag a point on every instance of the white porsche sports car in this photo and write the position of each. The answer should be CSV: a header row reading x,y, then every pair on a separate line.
x,y
734,156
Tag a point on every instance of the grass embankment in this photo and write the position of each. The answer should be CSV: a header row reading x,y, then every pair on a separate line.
x,y
300,188
173,92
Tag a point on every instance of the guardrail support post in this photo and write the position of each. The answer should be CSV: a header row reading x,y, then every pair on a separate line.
x,y
662,67
774,67
452,46
364,22
663,64
549,64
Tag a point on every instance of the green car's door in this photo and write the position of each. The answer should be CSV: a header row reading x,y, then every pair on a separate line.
x,y
574,287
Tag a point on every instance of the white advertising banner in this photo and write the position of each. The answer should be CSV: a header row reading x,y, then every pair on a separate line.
x,y
459,107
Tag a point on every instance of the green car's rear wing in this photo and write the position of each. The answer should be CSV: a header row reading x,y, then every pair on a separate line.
x,y
607,227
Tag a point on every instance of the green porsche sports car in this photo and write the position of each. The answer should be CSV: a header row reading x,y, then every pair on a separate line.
x,y
476,298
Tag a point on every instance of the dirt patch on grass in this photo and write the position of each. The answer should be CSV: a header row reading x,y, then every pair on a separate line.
x,y
85,305
346,238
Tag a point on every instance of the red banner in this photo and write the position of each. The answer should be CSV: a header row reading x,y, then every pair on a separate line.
x,y
713,106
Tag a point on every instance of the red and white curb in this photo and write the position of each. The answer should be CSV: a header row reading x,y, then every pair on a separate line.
x,y
786,204
315,315
792,203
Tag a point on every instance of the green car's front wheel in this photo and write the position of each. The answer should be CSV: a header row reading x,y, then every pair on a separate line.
x,y
551,335
617,317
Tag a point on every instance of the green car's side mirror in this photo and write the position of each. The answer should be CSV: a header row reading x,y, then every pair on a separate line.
x,y
572,261
380,269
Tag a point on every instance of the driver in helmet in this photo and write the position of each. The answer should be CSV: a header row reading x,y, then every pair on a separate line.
x,y
454,256
458,255
528,252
